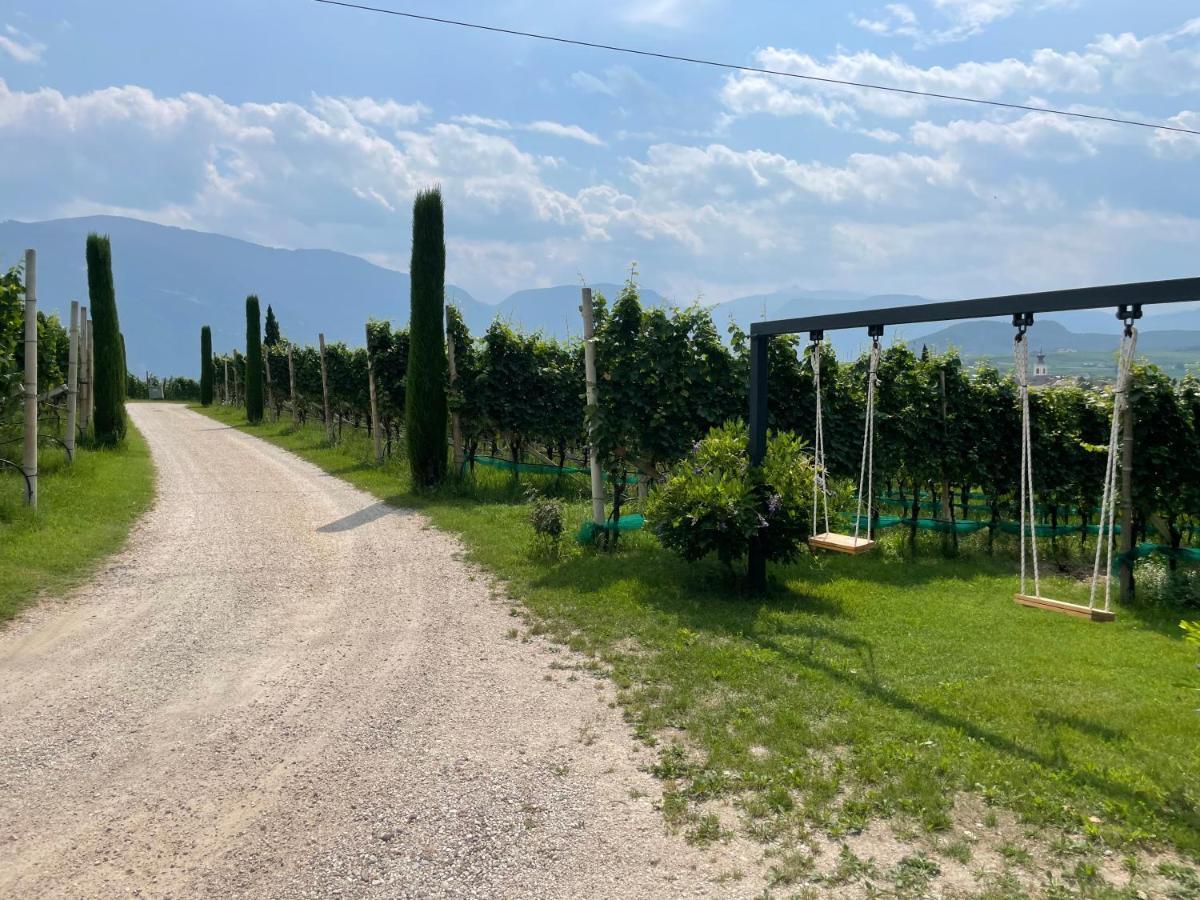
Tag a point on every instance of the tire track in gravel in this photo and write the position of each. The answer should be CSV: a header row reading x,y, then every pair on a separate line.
x,y
282,688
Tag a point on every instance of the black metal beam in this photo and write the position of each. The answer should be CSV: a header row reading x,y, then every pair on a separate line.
x,y
1145,293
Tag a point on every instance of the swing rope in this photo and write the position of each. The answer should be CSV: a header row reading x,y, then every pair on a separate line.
x,y
819,486
1108,506
1028,503
866,470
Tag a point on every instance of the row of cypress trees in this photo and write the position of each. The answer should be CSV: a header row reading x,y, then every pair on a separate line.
x,y
426,412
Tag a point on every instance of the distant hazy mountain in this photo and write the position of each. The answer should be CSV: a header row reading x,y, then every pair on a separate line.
x,y
170,281
990,338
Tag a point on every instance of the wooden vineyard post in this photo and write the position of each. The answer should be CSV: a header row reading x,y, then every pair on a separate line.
x,y
72,380
589,363
456,437
325,391
375,435
292,386
31,374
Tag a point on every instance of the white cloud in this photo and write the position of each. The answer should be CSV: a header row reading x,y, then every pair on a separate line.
x,y
961,19
20,46
667,13
473,121
573,132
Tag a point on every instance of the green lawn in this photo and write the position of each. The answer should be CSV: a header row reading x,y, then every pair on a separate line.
x,y
85,511
877,686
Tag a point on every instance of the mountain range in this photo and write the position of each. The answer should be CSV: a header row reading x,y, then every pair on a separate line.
x,y
171,280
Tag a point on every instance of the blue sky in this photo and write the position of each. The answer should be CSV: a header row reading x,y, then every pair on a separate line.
x,y
301,125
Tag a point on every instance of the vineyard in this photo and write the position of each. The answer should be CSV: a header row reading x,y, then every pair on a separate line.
x,y
947,437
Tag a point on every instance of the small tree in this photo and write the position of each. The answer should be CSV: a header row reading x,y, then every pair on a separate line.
x,y
254,363
271,335
425,406
109,383
206,367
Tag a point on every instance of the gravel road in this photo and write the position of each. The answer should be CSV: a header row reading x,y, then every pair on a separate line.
x,y
283,688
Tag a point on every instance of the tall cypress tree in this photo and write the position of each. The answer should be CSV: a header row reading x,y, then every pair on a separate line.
x,y
206,367
108,386
271,335
254,363
425,387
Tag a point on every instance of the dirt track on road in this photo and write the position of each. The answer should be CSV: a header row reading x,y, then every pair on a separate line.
x,y
282,687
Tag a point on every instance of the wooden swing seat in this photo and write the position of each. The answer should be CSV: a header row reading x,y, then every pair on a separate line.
x,y
840,543
1060,606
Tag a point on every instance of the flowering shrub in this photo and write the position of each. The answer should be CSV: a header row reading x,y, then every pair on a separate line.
x,y
714,502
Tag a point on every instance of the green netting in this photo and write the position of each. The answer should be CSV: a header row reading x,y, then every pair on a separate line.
x,y
1095,529
880,524
588,530
967,526
1141,551
1041,529
538,468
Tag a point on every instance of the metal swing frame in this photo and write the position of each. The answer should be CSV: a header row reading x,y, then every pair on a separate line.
x,y
1114,296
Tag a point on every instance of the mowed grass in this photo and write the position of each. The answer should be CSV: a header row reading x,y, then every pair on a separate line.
x,y
85,511
882,686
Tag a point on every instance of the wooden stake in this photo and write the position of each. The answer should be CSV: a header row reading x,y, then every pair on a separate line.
x,y
72,380
292,386
31,375
456,437
325,391
589,363
376,436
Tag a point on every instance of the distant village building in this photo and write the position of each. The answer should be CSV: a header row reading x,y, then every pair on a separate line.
x,y
1041,373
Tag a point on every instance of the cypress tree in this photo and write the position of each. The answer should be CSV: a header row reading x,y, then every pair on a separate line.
x,y
271,335
108,386
254,363
425,390
206,367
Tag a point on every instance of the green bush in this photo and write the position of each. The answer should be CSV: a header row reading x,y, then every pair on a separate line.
x,y
547,516
714,502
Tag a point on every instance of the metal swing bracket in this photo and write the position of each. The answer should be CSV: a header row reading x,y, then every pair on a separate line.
x,y
875,332
1022,322
816,336
1129,313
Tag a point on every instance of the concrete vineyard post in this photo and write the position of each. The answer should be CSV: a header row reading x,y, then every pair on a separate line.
x,y
267,372
72,380
455,421
31,373
227,382
1126,570
292,386
81,403
325,391
589,363
375,435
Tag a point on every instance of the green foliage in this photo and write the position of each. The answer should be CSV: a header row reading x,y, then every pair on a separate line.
x,y
547,517
254,363
108,383
271,335
715,503
425,411
12,293
664,381
206,366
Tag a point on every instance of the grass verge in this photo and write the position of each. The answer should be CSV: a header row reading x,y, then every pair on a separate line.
x,y
85,511
891,687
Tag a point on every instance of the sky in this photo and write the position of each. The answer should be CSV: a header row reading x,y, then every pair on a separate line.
x,y
296,124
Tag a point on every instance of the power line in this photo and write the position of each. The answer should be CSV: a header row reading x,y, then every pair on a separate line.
x,y
753,69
